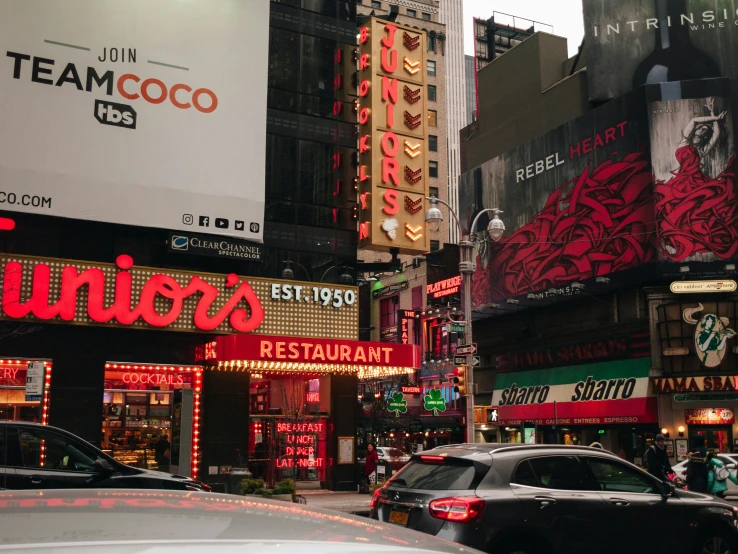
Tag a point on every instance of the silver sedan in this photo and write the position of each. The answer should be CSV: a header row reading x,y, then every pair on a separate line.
x,y
180,522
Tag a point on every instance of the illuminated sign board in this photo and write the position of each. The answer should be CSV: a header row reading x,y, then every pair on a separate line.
x,y
443,288
411,390
393,126
404,317
123,294
299,442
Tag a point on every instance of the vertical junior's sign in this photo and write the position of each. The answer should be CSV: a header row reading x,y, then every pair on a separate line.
x,y
393,126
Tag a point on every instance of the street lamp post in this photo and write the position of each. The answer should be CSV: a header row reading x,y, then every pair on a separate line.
x,y
496,229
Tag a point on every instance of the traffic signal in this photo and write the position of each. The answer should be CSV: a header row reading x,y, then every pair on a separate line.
x,y
460,381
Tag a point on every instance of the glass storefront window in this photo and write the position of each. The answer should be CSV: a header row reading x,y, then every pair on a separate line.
x,y
139,412
15,405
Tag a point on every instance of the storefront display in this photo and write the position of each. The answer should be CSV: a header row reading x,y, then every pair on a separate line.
x,y
15,402
140,413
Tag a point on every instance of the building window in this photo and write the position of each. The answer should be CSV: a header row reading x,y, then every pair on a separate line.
x,y
388,312
433,191
432,41
435,245
433,169
432,118
426,16
376,4
433,143
432,93
431,68
394,9
412,13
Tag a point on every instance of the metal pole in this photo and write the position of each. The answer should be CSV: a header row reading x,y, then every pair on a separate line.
x,y
466,268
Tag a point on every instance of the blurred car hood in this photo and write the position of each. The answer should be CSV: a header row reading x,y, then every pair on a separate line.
x,y
133,521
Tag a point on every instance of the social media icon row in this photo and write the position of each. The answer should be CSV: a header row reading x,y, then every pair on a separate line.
x,y
219,223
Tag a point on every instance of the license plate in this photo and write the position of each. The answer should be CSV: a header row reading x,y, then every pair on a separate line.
x,y
399,518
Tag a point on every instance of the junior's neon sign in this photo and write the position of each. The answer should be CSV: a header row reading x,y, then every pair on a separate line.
x,y
144,308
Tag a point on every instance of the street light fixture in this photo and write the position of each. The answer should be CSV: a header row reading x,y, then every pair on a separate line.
x,y
496,229
287,272
343,279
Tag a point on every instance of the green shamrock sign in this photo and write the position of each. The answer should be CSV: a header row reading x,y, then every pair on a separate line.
x,y
396,404
434,402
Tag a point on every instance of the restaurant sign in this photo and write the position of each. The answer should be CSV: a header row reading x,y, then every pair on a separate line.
x,y
594,394
121,294
709,416
717,383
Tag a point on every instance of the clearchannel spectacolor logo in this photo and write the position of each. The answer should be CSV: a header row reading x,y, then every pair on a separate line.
x,y
180,243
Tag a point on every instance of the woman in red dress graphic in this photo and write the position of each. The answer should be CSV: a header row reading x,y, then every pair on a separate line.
x,y
696,213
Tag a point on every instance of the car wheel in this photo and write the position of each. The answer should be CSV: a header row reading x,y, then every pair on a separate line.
x,y
716,542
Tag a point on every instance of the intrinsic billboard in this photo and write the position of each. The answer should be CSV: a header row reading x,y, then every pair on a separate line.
x,y
629,43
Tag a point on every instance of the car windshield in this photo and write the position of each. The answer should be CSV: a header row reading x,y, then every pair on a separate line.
x,y
450,475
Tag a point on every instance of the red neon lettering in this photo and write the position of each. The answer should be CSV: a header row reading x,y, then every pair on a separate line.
x,y
390,144
391,206
389,40
390,90
364,116
362,173
363,62
363,35
389,60
363,233
364,88
362,199
72,280
390,171
364,144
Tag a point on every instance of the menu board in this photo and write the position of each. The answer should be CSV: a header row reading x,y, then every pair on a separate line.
x,y
345,450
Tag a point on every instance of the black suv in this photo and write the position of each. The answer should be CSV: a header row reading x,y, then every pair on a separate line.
x,y
550,499
34,456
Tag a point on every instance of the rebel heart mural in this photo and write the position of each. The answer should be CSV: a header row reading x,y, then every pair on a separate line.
x,y
608,195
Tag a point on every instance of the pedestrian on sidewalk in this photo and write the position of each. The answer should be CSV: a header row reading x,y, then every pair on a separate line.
x,y
717,478
656,460
372,458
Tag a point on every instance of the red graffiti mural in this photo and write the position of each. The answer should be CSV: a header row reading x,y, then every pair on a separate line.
x,y
595,224
696,213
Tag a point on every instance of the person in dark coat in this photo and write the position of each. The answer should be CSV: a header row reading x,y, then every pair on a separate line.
x,y
372,458
697,474
657,461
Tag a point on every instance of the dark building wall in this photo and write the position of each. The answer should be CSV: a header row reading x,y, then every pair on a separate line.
x,y
575,321
522,94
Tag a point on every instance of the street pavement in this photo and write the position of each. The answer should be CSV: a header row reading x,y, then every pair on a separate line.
x,y
349,502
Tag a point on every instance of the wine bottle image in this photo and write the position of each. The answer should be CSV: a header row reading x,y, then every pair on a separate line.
x,y
674,57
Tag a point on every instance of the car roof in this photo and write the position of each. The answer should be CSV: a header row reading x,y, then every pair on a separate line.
x,y
129,520
486,451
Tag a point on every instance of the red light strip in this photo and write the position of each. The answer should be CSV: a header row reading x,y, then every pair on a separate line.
x,y
144,367
6,224
194,459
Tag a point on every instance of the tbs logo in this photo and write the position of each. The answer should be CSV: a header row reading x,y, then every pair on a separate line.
x,y
117,115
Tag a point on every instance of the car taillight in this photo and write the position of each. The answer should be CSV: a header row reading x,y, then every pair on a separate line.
x,y
464,509
433,459
375,498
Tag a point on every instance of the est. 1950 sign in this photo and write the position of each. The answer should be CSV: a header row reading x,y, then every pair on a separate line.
x,y
91,293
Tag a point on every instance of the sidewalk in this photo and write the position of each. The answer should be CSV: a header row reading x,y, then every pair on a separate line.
x,y
350,502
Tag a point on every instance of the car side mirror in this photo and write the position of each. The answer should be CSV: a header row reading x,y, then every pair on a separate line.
x,y
103,466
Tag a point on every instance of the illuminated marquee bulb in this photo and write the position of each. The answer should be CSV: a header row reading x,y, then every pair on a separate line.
x,y
412,150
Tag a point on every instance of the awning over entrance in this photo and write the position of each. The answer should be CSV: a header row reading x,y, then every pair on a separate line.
x,y
590,394
293,355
